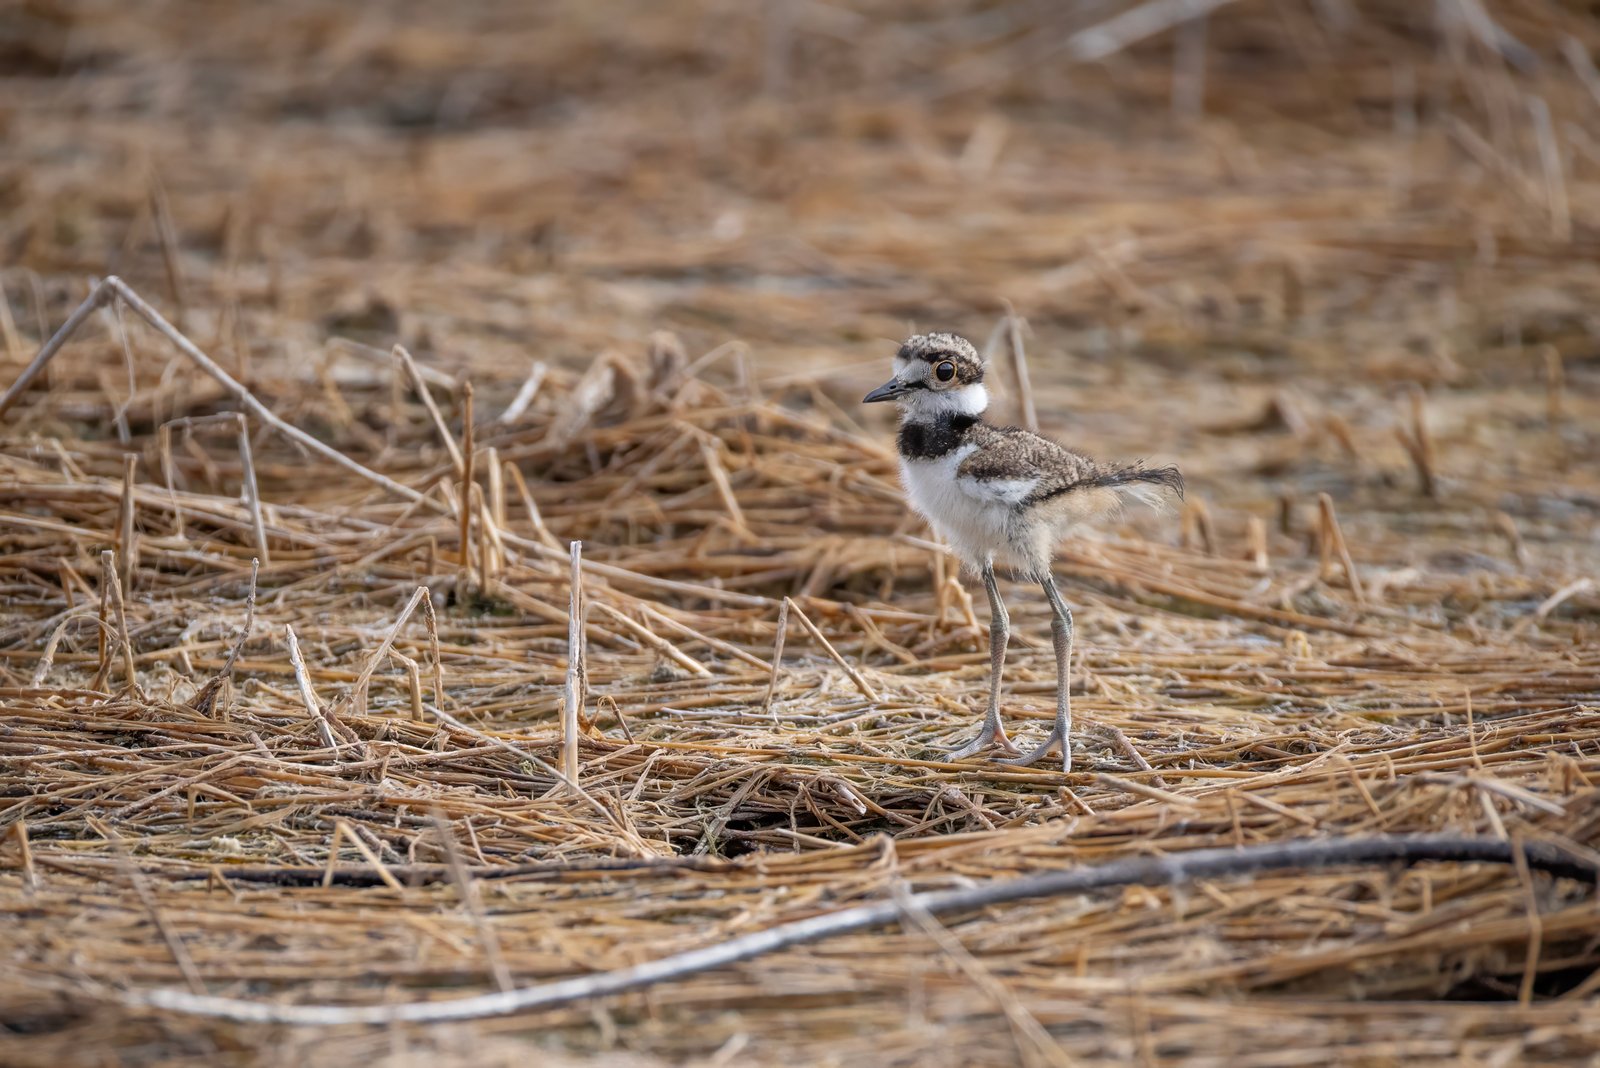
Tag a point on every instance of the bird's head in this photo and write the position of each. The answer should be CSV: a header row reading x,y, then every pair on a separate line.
x,y
935,374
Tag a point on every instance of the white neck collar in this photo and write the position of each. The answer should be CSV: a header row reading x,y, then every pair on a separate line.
x,y
927,405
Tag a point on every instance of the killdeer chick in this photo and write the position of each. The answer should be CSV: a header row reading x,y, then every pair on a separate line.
x,y
1000,495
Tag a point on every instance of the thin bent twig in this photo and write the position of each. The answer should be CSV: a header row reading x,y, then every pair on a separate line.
x,y
1141,871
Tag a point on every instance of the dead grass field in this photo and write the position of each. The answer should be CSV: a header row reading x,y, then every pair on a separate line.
x,y
1299,248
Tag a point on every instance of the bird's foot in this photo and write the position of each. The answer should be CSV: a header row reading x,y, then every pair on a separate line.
x,y
993,736
1055,739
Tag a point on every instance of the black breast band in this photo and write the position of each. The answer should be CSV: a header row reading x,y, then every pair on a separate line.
x,y
929,441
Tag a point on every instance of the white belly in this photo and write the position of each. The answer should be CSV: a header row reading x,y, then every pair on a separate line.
x,y
978,520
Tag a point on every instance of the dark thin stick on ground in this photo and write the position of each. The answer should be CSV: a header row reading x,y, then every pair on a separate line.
x,y
1172,870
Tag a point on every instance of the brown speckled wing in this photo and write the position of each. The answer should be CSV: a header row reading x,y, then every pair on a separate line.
x,y
1009,452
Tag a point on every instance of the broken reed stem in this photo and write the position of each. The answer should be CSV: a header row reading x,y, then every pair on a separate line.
x,y
167,238
491,550
777,655
1555,381
432,622
125,528
205,700
497,486
169,475
1554,173
1124,743
849,669
1255,535
1175,869
8,328
308,696
19,831
575,683
464,574
113,607
529,505
1508,529
252,492
1418,443
1331,540
1195,529
343,827
414,682
719,478
357,697
1019,370
420,386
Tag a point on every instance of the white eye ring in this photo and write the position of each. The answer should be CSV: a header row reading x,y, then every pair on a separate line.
x,y
945,371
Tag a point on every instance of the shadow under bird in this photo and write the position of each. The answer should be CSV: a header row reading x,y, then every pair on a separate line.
x,y
1001,495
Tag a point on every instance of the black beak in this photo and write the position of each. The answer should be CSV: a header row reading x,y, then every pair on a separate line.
x,y
888,391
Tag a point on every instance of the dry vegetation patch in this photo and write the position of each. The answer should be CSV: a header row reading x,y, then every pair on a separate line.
x,y
641,261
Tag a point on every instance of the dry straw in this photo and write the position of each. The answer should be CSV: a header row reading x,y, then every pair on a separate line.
x,y
384,704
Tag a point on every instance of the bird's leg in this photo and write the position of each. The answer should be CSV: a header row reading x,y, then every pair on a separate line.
x,y
1061,635
992,734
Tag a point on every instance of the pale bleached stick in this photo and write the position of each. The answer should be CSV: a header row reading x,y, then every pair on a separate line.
x,y
719,478
1555,180
1331,532
525,395
19,831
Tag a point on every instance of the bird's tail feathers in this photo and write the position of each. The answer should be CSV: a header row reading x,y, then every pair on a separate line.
x,y
1152,486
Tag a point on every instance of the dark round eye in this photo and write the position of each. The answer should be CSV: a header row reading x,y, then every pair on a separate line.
x,y
945,371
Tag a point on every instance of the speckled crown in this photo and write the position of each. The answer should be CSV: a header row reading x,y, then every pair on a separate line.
x,y
935,347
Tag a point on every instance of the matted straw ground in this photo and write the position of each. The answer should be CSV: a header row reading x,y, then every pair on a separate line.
x,y
669,249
